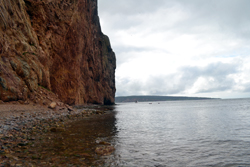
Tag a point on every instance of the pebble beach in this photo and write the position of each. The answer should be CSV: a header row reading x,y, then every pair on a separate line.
x,y
25,130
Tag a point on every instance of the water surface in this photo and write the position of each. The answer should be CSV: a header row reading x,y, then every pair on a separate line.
x,y
182,133
162,134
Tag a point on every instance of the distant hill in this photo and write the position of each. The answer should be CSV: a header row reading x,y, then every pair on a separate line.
x,y
120,99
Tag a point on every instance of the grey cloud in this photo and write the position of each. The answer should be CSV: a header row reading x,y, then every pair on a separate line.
x,y
122,14
217,21
246,87
126,52
184,79
218,69
130,7
228,16
129,87
219,72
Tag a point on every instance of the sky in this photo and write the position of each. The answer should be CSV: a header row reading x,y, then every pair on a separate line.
x,y
179,47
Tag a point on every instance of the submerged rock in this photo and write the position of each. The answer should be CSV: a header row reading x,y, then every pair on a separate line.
x,y
104,150
104,143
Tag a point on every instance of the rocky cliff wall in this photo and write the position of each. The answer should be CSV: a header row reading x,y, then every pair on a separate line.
x,y
57,45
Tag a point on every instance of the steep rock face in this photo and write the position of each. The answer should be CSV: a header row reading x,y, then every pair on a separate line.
x,y
56,44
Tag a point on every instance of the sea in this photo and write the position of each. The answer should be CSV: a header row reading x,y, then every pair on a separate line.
x,y
199,133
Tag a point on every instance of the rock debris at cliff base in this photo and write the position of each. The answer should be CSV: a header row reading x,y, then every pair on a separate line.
x,y
57,45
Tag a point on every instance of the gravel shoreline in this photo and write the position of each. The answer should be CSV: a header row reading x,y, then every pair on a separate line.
x,y
21,125
19,116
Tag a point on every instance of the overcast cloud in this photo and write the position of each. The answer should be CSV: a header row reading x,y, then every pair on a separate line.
x,y
179,47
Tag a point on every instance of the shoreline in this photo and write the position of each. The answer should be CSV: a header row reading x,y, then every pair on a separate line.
x,y
23,125
12,116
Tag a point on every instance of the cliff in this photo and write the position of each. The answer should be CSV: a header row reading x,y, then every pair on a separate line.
x,y
57,45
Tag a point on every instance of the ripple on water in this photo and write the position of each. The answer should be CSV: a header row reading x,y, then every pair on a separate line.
x,y
184,133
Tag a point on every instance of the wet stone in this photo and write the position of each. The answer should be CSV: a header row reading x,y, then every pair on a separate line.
x,y
104,150
6,127
57,129
22,144
17,129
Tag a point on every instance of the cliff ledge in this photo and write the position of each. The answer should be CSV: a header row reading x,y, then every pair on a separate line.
x,y
55,45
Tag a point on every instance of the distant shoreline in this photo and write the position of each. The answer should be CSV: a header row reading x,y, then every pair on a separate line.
x,y
121,99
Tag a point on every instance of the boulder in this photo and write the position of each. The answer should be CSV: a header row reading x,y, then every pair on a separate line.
x,y
52,105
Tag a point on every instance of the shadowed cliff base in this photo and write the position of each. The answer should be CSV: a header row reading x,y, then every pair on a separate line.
x,y
57,45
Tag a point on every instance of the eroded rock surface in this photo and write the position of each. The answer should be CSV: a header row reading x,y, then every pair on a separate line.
x,y
57,45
